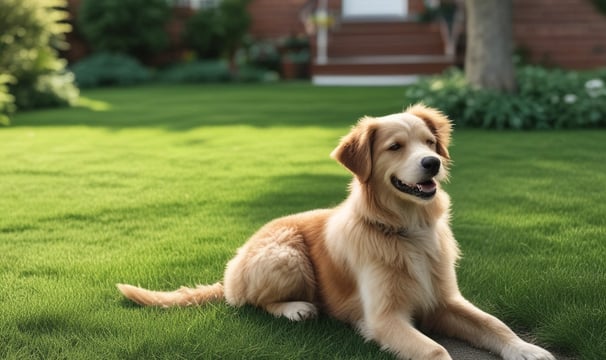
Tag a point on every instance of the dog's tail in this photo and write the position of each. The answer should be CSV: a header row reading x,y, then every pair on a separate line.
x,y
183,297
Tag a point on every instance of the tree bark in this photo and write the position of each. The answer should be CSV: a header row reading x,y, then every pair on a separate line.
x,y
488,59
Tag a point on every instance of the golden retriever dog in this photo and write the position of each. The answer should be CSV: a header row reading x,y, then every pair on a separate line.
x,y
382,261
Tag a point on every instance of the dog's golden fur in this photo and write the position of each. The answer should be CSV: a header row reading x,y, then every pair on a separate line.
x,y
381,261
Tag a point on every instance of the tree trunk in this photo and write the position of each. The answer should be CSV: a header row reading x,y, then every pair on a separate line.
x,y
488,59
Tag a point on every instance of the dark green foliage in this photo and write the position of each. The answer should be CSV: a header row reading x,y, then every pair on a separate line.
x,y
445,10
203,34
104,69
235,20
197,72
263,54
107,69
252,74
48,90
134,27
7,100
546,99
212,71
215,32
30,33
600,5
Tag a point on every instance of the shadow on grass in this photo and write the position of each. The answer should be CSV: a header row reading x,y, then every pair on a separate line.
x,y
251,333
184,107
290,194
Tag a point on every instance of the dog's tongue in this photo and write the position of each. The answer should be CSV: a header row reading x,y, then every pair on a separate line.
x,y
426,186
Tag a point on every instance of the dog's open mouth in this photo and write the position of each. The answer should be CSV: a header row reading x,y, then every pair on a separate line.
x,y
424,190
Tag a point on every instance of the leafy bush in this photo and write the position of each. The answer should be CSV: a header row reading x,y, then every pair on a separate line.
x,y
252,74
600,5
105,69
209,71
49,90
546,99
134,27
204,34
214,32
214,71
235,21
30,33
7,101
262,54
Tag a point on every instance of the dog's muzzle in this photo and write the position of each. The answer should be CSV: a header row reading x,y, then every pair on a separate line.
x,y
425,189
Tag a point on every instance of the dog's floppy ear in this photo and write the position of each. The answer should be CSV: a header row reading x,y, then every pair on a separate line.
x,y
438,123
355,149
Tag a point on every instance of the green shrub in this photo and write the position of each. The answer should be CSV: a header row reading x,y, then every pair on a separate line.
x,y
262,54
546,99
235,21
7,101
49,90
209,71
600,5
107,69
215,32
254,74
134,27
30,33
214,71
204,34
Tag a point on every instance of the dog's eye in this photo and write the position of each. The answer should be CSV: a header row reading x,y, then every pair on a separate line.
x,y
430,142
394,147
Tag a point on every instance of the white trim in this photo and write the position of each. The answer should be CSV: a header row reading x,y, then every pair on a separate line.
x,y
351,9
391,59
364,80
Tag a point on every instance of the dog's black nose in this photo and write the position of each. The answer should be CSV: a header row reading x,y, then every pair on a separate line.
x,y
431,164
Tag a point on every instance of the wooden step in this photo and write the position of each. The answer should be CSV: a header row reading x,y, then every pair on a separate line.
x,y
390,38
386,27
384,65
385,45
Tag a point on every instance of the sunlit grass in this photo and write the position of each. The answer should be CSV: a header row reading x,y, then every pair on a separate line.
x,y
162,186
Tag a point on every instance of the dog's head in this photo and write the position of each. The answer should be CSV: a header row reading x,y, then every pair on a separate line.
x,y
407,152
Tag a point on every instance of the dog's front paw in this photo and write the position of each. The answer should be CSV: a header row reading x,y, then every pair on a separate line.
x,y
521,350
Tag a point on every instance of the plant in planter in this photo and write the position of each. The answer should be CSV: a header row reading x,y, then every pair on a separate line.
x,y
295,57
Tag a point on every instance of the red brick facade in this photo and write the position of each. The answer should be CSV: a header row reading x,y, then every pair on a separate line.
x,y
565,33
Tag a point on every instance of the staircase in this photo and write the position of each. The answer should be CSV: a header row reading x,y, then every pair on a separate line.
x,y
381,53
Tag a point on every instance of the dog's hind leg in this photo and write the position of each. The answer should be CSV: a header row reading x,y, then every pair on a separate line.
x,y
273,271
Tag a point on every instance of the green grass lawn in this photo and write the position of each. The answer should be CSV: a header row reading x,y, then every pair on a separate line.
x,y
158,186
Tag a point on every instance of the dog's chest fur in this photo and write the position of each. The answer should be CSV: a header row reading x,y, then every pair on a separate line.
x,y
389,269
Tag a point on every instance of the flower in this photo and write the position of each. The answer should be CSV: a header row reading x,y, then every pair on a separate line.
x,y
323,19
570,98
437,85
595,87
594,84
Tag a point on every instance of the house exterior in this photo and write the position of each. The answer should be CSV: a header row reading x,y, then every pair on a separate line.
x,y
359,41
566,33
383,41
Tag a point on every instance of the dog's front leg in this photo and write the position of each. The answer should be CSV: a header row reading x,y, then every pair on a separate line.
x,y
389,324
395,334
463,320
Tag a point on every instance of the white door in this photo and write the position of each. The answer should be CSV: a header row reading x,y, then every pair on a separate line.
x,y
375,8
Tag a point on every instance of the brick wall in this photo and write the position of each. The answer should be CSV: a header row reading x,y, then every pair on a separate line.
x,y
276,18
565,33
